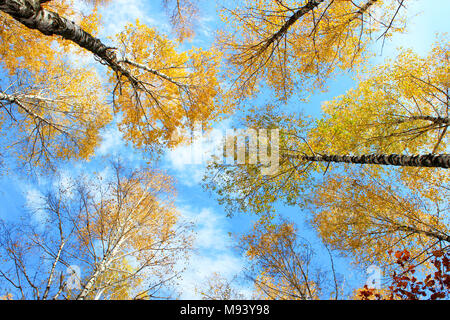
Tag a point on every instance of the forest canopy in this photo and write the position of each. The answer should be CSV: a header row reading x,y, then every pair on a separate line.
x,y
256,149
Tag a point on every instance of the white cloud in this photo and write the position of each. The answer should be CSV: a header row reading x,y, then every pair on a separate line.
x,y
121,12
34,200
186,173
65,181
210,228
190,161
213,251
111,141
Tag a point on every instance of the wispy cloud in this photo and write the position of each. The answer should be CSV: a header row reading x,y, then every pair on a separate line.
x,y
34,201
189,162
214,251
121,12
111,141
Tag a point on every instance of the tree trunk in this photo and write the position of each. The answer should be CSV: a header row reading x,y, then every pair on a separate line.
x,y
297,15
428,160
99,270
435,120
31,14
363,9
432,234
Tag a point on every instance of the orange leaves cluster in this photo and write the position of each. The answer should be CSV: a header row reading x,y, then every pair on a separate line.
x,y
140,206
132,219
399,107
67,102
8,296
281,261
177,88
24,48
365,214
266,236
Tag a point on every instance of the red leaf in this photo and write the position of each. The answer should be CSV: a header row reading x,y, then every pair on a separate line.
x,y
438,253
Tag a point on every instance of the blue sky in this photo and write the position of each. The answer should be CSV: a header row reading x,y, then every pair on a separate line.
x,y
214,246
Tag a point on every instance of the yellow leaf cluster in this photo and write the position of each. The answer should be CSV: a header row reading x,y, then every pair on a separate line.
x,y
264,47
177,89
387,112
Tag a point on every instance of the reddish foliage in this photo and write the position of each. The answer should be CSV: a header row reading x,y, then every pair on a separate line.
x,y
406,286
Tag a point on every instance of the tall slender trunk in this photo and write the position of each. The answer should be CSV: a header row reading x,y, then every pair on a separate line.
x,y
363,9
100,269
311,5
427,160
293,19
31,14
432,234
436,120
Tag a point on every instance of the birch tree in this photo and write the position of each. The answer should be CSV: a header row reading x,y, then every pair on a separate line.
x,y
119,235
399,107
284,43
281,263
157,87
365,214
49,108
